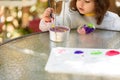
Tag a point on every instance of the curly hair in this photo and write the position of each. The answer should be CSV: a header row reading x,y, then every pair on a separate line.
x,y
101,6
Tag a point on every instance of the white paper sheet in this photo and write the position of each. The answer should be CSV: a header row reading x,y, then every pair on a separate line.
x,y
84,61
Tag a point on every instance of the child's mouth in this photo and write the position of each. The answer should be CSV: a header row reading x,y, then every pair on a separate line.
x,y
81,9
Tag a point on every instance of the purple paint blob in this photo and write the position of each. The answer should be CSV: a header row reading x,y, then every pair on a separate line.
x,y
89,28
59,29
112,53
78,52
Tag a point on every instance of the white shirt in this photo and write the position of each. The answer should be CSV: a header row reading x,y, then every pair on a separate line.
x,y
73,19
111,20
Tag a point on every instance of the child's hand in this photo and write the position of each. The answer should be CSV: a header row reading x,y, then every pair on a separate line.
x,y
47,15
81,31
86,29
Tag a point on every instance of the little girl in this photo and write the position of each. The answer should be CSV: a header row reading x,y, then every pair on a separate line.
x,y
84,12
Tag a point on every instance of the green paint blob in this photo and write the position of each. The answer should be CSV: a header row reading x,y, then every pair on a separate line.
x,y
90,25
96,52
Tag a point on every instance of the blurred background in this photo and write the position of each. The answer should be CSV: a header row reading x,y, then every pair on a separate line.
x,y
21,17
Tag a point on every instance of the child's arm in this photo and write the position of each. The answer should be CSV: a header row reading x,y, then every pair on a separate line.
x,y
111,21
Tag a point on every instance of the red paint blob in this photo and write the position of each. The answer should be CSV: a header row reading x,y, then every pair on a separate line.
x,y
112,53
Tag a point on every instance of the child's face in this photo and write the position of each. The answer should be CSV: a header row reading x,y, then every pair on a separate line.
x,y
85,6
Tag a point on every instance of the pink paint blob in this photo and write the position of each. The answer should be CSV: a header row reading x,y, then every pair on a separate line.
x,y
112,53
61,51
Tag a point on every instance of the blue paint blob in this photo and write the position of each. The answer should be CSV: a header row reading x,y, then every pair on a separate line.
x,y
78,52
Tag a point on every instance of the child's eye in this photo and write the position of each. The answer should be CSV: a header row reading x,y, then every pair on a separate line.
x,y
87,1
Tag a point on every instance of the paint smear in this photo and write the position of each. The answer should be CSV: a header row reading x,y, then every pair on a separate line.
x,y
60,51
78,52
96,52
112,53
